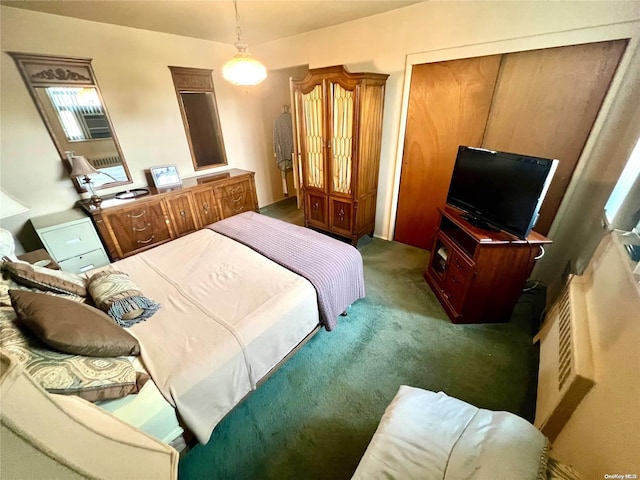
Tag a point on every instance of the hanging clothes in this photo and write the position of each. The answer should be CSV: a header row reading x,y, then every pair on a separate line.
x,y
283,139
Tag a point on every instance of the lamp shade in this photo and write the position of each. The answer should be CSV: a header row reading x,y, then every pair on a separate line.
x,y
81,166
243,69
10,206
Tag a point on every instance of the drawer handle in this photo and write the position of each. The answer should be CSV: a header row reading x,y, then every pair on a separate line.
x,y
237,200
239,209
86,267
137,216
73,241
146,241
141,229
235,189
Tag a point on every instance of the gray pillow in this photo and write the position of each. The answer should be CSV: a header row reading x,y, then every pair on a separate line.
x,y
72,327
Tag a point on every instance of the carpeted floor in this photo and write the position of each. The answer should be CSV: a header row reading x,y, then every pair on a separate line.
x,y
313,418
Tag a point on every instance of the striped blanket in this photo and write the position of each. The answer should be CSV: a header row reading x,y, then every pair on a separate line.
x,y
334,268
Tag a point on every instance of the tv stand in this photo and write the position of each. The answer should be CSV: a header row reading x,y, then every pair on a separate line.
x,y
478,274
476,222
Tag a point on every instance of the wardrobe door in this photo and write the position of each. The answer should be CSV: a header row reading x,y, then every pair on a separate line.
x,y
449,104
341,133
545,104
313,142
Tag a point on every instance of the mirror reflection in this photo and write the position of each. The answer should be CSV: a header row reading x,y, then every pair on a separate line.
x,y
69,101
80,124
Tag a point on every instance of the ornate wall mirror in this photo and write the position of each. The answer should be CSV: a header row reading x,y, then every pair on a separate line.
x,y
197,100
68,98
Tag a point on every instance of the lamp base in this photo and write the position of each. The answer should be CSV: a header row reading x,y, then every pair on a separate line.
x,y
95,200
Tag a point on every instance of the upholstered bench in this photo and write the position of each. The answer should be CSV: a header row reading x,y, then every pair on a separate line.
x,y
427,435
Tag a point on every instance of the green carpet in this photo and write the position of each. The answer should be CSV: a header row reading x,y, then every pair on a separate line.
x,y
315,416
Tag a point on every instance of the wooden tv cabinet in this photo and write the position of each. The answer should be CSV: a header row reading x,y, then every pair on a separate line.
x,y
478,275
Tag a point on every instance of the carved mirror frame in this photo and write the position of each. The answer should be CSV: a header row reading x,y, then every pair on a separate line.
x,y
42,71
205,135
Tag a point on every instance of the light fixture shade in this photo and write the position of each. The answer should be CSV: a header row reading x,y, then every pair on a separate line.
x,y
81,166
243,69
10,206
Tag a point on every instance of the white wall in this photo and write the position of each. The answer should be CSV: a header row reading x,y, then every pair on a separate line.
x,y
131,69
602,437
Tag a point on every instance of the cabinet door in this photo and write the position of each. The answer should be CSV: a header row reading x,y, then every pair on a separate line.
x,y
316,210
312,124
182,212
138,227
205,205
341,132
459,272
341,214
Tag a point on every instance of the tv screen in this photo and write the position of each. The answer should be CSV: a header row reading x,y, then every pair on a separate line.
x,y
502,190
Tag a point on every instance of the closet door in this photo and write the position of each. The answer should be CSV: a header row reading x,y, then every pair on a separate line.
x,y
449,104
545,105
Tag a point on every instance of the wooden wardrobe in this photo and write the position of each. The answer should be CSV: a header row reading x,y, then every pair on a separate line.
x,y
538,102
338,129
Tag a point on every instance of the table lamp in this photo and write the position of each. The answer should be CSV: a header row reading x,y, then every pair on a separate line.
x,y
80,167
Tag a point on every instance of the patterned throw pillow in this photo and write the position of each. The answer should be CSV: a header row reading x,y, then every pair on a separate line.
x,y
46,279
7,283
115,293
92,378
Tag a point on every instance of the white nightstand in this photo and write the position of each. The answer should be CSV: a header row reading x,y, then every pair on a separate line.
x,y
71,240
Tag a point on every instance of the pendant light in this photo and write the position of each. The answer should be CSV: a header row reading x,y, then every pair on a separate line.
x,y
243,69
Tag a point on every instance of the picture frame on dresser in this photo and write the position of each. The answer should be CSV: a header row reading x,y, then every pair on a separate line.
x,y
165,177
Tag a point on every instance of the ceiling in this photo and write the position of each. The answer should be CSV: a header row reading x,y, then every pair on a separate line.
x,y
261,21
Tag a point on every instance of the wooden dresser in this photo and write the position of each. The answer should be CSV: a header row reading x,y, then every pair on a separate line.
x,y
131,226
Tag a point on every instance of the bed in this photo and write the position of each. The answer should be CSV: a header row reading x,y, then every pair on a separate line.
x,y
229,315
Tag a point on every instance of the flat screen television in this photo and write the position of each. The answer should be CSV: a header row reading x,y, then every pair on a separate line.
x,y
500,190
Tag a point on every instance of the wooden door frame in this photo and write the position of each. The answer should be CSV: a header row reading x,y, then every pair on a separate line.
x,y
536,42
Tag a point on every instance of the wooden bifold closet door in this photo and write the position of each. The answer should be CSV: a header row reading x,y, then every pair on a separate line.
x,y
539,102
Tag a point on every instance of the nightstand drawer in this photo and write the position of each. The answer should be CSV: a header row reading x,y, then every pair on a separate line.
x,y
85,262
72,240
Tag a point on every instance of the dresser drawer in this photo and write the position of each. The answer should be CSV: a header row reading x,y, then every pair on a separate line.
x,y
235,204
71,240
85,262
233,189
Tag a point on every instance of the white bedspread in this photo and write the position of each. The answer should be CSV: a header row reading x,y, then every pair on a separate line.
x,y
227,316
426,435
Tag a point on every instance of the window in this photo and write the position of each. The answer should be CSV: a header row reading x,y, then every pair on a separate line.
x,y
623,207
